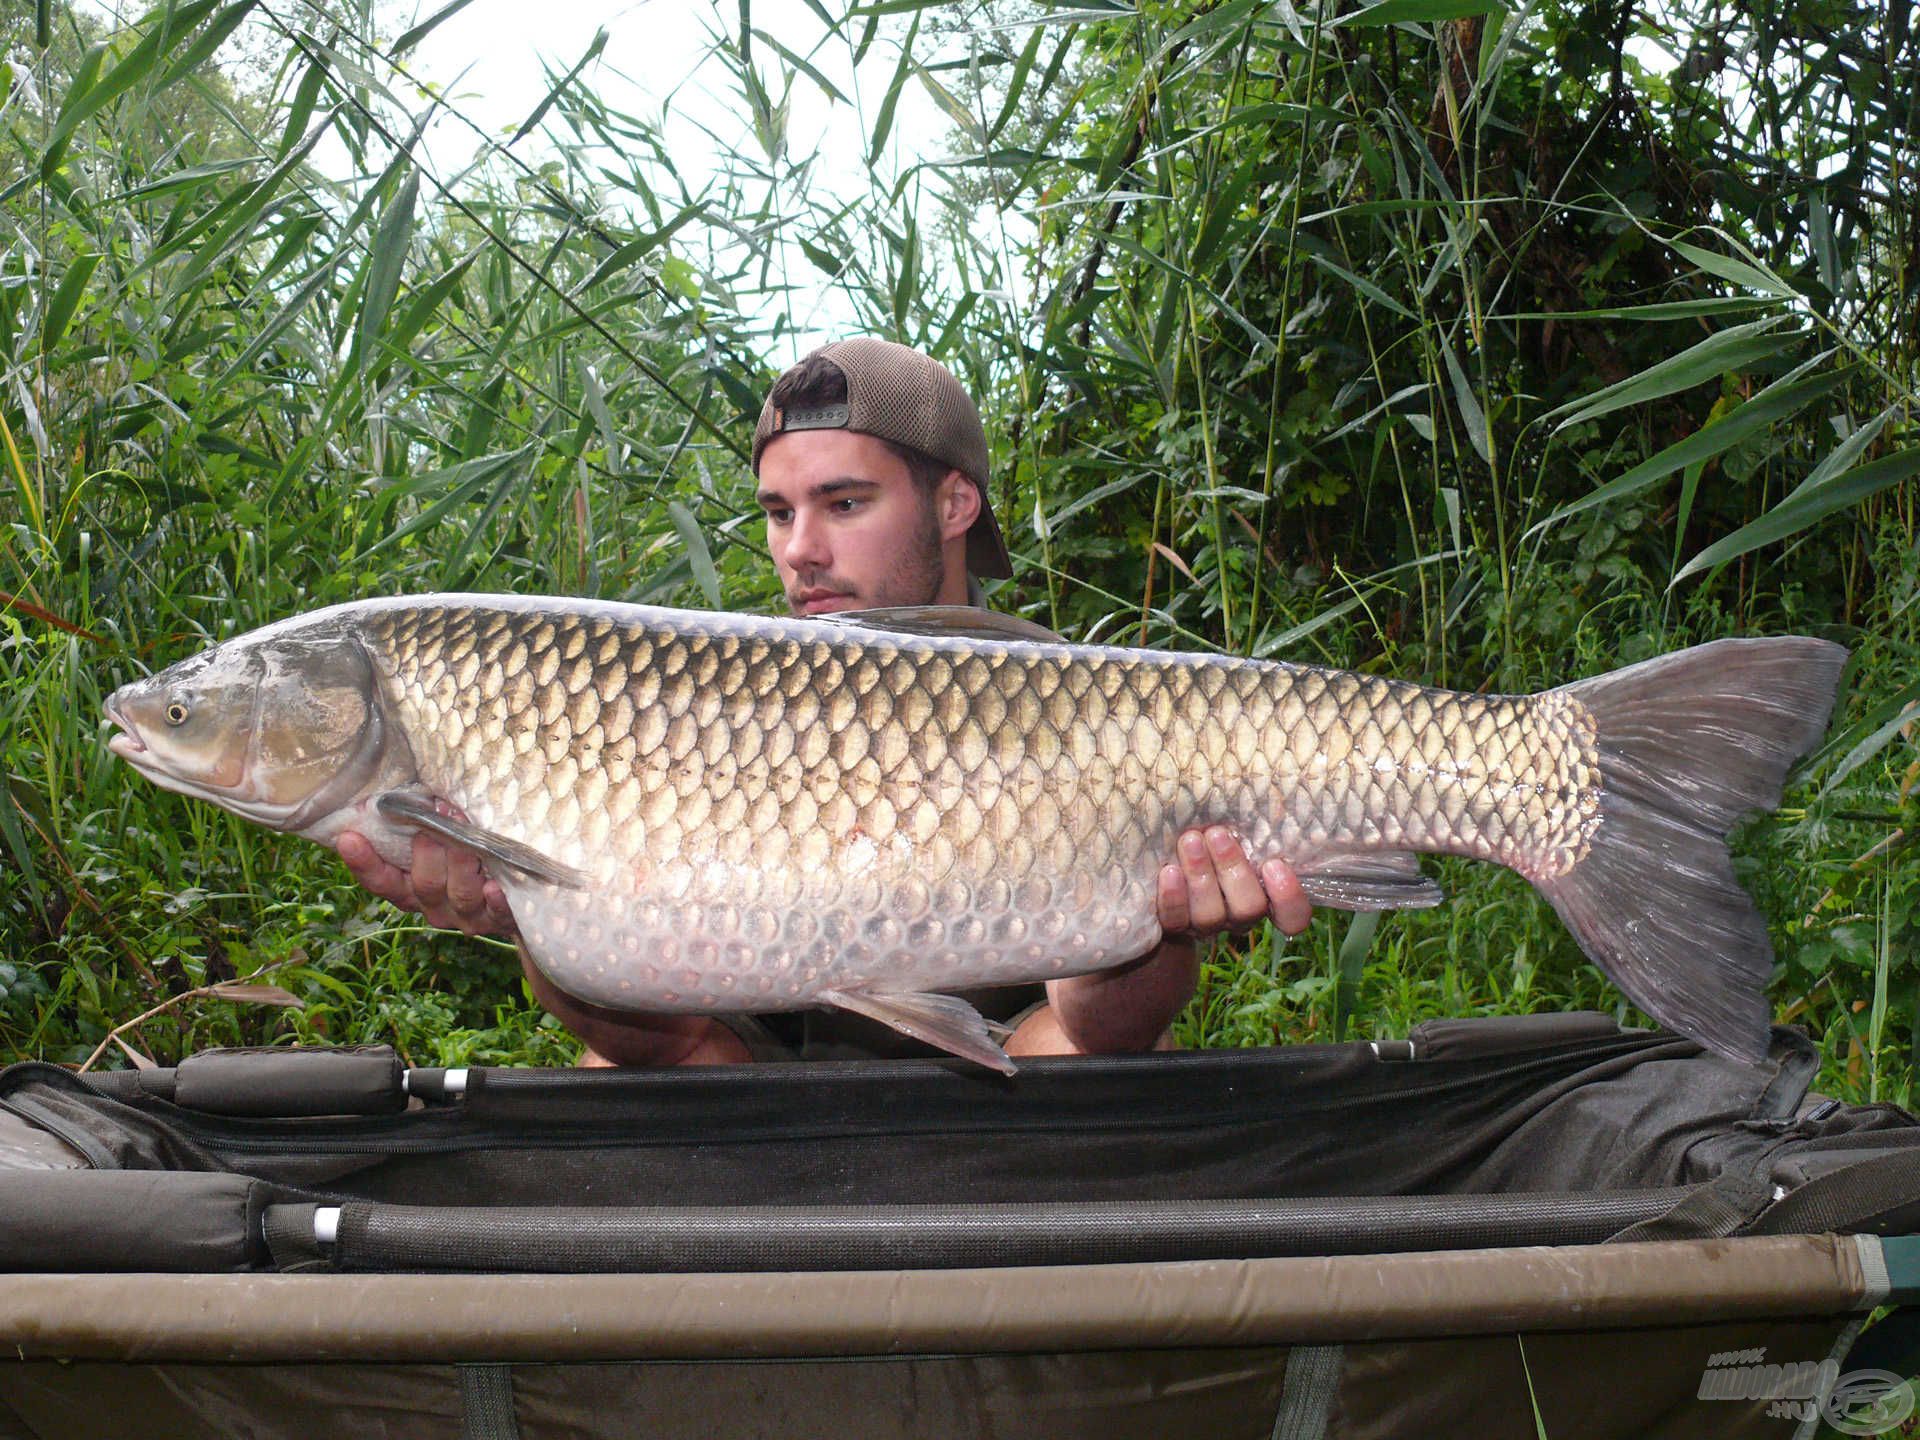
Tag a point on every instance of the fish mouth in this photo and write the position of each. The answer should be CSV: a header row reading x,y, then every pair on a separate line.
x,y
127,743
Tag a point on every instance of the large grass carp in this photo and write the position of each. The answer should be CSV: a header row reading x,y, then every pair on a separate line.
x,y
709,812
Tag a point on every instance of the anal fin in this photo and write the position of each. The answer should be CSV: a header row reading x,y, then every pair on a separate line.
x,y
418,811
940,1020
1375,880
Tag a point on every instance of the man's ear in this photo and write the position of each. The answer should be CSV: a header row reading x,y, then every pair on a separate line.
x,y
957,504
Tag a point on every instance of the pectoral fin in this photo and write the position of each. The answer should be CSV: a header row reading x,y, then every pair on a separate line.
x,y
940,1020
418,811
1377,880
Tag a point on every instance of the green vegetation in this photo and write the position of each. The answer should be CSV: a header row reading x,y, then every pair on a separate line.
x,y
1485,347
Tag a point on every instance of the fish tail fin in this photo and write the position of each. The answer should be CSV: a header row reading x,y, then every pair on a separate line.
x,y
1687,744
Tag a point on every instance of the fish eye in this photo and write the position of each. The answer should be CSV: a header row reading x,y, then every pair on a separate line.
x,y
177,713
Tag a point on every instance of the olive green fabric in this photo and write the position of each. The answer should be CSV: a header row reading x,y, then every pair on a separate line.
x,y
1634,1385
1039,1309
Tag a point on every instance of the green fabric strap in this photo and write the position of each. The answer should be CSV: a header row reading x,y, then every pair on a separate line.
x,y
1307,1393
486,1403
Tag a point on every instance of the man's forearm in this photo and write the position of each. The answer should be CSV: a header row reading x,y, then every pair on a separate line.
x,y
620,1037
1127,1009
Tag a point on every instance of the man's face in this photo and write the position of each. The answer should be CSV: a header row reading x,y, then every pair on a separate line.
x,y
847,526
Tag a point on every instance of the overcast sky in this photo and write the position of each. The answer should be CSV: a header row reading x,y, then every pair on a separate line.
x,y
491,60
657,55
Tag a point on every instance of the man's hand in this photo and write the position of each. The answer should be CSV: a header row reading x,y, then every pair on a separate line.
x,y
1211,888
445,886
1214,888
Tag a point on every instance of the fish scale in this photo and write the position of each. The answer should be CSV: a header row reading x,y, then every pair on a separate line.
x,y
749,774
694,811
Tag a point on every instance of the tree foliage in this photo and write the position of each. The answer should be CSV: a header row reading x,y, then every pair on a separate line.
x,y
1487,347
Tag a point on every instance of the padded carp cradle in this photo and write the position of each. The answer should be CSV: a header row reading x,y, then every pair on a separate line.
x,y
1422,1238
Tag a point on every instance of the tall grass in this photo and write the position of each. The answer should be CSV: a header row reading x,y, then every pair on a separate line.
x,y
1469,347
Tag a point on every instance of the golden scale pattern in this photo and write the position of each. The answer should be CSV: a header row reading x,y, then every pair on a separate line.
x,y
771,809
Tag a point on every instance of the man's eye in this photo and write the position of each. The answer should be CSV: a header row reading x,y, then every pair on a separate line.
x,y
779,517
846,506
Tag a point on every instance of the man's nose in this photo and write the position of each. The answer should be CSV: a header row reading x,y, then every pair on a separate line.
x,y
807,547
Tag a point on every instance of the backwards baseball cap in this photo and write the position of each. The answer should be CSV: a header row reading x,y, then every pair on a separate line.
x,y
898,394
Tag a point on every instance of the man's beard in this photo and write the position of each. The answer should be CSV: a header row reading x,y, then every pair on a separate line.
x,y
914,579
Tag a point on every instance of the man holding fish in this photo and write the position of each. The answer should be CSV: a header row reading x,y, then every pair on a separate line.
x,y
872,463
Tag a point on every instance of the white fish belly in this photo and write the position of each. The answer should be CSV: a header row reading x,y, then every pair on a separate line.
x,y
703,935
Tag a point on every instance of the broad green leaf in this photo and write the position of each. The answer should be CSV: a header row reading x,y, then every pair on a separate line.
x,y
66,299
643,245
804,66
1016,84
596,396
1221,20
1365,209
209,40
305,96
1225,202
1683,508
384,265
1820,236
1806,506
1848,450
189,176
1092,497
426,27
1663,310
1739,272
829,264
86,79
598,44
1861,740
167,26
1420,12
698,555
906,279
1079,14
1785,397
16,838
1472,417
884,123
950,332
1713,357
1121,244
951,104
1351,963
1366,287
424,304
459,483
1366,418
237,220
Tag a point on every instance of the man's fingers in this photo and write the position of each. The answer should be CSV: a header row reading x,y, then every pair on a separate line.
x,y
465,882
1175,917
429,871
1245,897
1206,909
375,875
1287,902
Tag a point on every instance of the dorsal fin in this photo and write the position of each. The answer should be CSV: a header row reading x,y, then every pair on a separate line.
x,y
969,621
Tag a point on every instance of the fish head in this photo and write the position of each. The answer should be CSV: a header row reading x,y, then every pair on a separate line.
x,y
282,731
